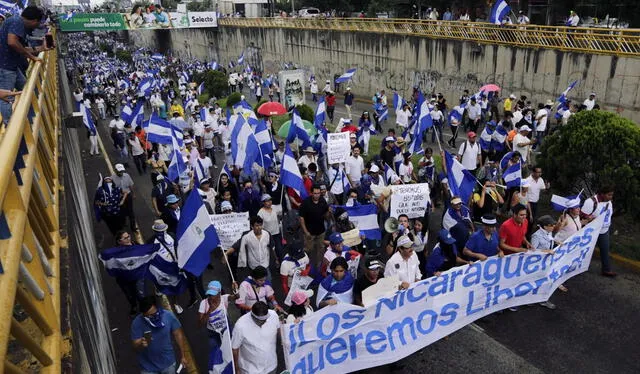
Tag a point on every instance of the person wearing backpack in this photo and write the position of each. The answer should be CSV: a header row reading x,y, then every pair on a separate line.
x,y
601,204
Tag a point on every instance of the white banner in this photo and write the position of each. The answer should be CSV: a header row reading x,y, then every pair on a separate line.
x,y
203,19
338,147
230,227
409,199
344,338
292,83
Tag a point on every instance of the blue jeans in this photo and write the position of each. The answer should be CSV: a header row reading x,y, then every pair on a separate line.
x,y
603,244
10,80
171,369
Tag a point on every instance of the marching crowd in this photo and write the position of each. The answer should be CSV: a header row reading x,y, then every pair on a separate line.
x,y
301,208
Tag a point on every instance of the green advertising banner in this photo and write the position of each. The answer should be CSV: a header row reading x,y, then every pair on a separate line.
x,y
92,22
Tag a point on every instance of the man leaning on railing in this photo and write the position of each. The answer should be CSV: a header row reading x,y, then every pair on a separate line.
x,y
14,55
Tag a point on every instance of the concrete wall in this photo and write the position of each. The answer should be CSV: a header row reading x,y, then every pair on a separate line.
x,y
402,62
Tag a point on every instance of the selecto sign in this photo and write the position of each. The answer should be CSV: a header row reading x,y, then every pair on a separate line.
x,y
203,19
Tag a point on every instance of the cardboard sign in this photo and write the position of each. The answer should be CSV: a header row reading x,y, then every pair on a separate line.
x,y
409,199
230,227
338,147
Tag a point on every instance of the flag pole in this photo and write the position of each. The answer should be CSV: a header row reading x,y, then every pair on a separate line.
x,y
438,139
226,261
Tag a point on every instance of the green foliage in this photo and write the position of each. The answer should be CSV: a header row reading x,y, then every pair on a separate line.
x,y
378,6
199,7
124,55
204,98
277,121
215,83
255,108
594,149
233,99
306,112
222,102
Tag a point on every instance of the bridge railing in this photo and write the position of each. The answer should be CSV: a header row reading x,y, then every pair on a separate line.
x,y
29,226
622,42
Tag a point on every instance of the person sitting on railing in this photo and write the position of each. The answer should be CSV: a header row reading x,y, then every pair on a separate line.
x,y
13,52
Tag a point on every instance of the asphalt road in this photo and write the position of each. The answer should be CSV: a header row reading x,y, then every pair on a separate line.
x,y
593,330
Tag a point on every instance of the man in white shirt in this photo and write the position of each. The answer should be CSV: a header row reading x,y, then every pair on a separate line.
x,y
590,102
573,19
522,144
522,18
536,185
310,155
255,247
117,131
474,112
136,150
402,117
254,341
354,167
404,264
567,114
100,105
601,204
469,152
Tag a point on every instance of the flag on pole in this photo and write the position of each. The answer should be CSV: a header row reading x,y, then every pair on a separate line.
x,y
563,96
145,86
498,11
128,262
513,176
297,130
241,59
196,236
346,76
321,111
177,165
157,57
126,112
461,181
166,275
560,203
398,102
264,144
365,217
389,174
87,119
162,132
201,88
137,115
244,152
290,174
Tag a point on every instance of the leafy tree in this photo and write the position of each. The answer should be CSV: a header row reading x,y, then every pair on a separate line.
x,y
306,113
215,82
596,148
233,99
199,7
124,55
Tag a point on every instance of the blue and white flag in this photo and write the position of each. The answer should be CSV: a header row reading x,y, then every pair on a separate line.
x,y
290,173
201,88
221,356
162,132
297,130
66,17
145,86
157,57
177,165
398,102
264,144
241,59
321,111
485,138
365,217
214,65
126,112
346,186
461,181
87,119
563,96
513,176
456,113
196,236
244,152
383,114
504,161
499,10
389,174
560,203
185,76
346,76
129,262
166,275
242,105
124,84
137,115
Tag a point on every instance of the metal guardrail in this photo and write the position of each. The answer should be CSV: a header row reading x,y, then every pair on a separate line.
x,y
619,42
29,224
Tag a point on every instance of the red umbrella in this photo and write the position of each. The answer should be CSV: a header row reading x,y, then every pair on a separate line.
x,y
490,88
272,108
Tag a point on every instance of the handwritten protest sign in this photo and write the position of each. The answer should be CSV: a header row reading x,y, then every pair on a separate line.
x,y
230,227
351,237
409,199
338,147
343,338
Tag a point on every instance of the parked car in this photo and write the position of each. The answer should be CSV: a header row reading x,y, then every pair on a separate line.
x,y
309,12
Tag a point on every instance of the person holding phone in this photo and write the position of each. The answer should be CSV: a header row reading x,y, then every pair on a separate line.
x,y
151,333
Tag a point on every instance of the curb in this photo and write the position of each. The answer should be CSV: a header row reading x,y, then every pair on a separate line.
x,y
626,263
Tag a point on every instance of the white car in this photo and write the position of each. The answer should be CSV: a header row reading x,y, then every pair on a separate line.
x,y
309,13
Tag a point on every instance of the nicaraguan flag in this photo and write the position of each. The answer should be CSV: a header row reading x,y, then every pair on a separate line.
x,y
214,65
290,174
264,144
245,149
221,356
346,186
456,113
157,57
461,181
68,16
398,102
320,141
346,76
185,76
498,138
513,176
563,96
145,86
321,111
383,114
365,217
241,59
504,161
560,203
124,84
162,132
137,116
129,262
498,11
389,173
201,88
177,165
227,171
196,236
166,275
87,119
485,138
297,130
424,118
126,112
244,105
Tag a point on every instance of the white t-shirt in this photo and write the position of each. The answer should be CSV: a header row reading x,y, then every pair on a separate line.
x,y
270,221
405,172
470,157
605,208
542,117
354,167
474,111
589,104
402,118
100,103
533,193
565,116
136,147
256,344
524,151
407,271
216,321
436,115
118,124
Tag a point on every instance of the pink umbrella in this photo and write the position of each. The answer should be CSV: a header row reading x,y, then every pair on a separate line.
x,y
489,88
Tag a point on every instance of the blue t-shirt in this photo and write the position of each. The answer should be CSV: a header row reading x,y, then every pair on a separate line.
x,y
159,354
9,58
478,243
